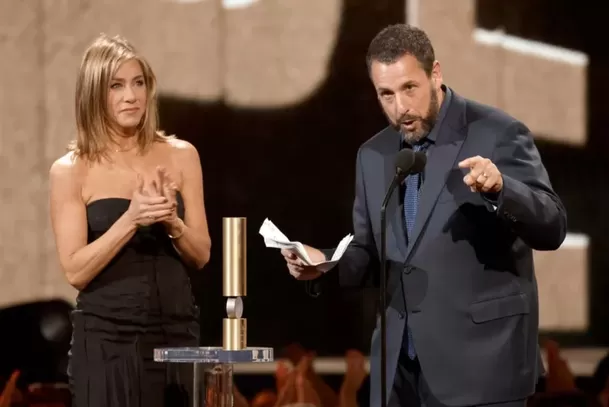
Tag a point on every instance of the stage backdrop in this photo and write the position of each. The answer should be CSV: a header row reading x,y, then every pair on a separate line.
x,y
276,98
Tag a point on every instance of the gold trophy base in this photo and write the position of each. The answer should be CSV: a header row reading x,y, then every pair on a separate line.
x,y
234,333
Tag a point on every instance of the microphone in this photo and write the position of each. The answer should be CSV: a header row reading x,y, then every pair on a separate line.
x,y
406,162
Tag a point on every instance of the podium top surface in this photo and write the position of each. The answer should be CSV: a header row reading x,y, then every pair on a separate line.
x,y
215,355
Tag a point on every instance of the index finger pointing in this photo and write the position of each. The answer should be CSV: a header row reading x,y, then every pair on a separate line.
x,y
470,162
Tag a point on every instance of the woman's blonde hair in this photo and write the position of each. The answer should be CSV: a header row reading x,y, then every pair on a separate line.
x,y
94,124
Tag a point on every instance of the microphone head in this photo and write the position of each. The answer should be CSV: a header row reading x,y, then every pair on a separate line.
x,y
409,162
404,161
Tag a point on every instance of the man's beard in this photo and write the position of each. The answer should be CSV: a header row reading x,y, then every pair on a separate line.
x,y
426,123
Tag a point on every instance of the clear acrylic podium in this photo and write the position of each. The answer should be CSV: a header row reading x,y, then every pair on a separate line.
x,y
213,370
212,367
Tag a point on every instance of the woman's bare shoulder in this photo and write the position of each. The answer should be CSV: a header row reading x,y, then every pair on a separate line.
x,y
178,145
68,166
182,152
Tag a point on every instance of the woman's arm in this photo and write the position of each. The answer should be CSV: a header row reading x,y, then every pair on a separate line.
x,y
80,261
190,237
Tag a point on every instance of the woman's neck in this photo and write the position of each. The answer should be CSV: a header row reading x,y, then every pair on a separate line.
x,y
123,142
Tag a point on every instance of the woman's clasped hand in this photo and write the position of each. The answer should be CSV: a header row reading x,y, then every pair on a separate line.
x,y
154,202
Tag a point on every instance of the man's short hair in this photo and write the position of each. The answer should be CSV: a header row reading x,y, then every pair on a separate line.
x,y
397,40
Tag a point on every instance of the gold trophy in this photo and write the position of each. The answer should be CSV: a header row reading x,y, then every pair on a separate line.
x,y
234,282
213,366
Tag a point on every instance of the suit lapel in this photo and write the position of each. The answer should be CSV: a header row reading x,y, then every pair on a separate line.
x,y
395,220
440,160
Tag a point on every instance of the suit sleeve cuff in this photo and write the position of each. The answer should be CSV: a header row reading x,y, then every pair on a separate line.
x,y
325,282
508,198
492,200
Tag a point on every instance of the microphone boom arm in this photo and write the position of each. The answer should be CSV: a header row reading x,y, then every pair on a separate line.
x,y
399,176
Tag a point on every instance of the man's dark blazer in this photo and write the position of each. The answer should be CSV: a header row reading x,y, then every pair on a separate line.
x,y
466,281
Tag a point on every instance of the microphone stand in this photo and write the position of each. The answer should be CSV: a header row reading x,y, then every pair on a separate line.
x,y
398,177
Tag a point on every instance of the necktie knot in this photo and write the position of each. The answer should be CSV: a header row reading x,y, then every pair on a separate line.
x,y
421,145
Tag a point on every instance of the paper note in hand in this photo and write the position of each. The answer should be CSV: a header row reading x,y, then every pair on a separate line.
x,y
274,238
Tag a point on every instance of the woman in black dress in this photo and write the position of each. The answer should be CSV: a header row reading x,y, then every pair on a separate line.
x,y
129,220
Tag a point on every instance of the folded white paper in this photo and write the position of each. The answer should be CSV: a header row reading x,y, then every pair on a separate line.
x,y
274,238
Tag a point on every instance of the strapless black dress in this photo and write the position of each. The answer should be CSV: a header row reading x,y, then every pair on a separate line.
x,y
141,300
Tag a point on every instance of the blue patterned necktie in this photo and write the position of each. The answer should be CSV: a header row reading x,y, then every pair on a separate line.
x,y
411,204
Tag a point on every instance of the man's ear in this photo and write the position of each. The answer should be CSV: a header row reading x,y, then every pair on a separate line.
x,y
436,74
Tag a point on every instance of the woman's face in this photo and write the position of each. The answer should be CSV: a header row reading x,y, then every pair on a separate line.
x,y
127,96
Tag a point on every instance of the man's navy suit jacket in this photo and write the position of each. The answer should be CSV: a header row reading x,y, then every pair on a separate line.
x,y
465,281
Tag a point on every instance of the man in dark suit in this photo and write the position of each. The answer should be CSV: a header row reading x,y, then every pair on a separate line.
x,y
462,315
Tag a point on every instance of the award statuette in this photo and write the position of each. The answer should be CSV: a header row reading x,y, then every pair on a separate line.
x,y
213,366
